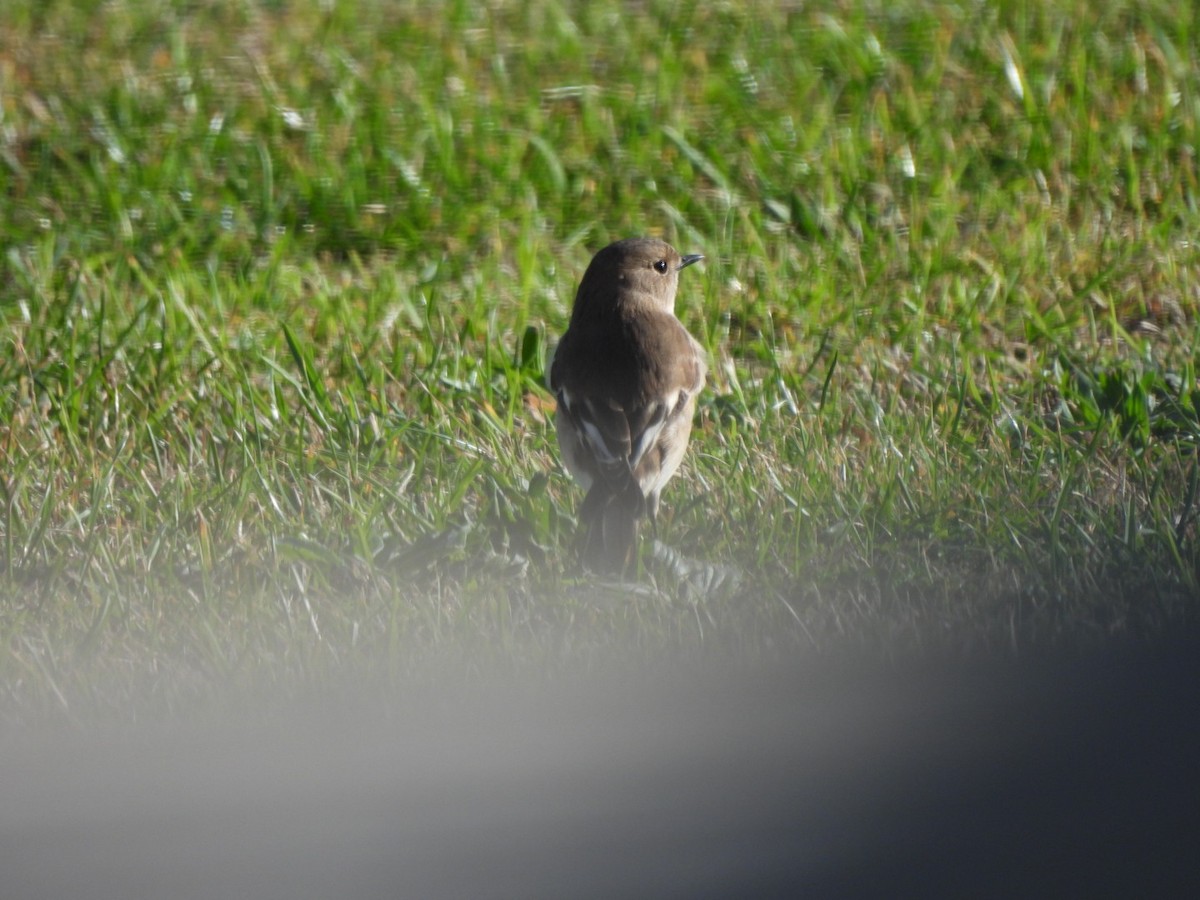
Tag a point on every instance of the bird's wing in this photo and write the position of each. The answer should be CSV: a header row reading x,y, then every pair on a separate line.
x,y
602,426
669,396
649,421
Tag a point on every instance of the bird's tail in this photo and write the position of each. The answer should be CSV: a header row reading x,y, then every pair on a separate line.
x,y
609,520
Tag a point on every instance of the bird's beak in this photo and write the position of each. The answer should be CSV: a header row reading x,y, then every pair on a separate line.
x,y
689,259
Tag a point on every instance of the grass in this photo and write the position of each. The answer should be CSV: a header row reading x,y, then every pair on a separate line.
x,y
278,283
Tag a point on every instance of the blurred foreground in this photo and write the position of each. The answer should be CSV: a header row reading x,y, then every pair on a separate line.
x,y
1056,778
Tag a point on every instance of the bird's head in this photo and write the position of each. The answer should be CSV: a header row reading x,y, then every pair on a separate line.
x,y
633,271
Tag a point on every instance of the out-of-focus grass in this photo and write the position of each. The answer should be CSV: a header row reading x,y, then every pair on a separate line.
x,y
278,282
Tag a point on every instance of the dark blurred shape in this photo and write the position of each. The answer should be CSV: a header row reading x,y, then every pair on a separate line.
x,y
1049,778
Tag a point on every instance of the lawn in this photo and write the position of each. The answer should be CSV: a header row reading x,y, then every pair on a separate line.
x,y
278,283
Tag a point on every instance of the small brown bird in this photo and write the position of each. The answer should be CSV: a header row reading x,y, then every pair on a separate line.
x,y
626,375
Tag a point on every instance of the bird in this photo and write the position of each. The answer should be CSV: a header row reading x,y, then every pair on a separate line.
x,y
625,375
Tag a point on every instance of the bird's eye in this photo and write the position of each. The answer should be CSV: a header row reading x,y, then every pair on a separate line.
x,y
660,266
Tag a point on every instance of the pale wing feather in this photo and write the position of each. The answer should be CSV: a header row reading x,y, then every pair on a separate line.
x,y
649,435
596,443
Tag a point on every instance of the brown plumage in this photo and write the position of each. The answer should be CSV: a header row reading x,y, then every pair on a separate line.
x,y
626,375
